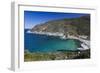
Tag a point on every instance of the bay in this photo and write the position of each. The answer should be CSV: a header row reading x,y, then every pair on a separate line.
x,y
45,43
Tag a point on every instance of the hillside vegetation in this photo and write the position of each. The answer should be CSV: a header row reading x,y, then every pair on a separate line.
x,y
73,26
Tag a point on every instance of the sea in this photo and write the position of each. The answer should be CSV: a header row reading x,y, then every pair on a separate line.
x,y
45,43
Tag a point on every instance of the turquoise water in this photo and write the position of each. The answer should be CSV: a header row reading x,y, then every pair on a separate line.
x,y
44,43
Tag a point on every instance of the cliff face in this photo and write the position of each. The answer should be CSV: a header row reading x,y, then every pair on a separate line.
x,y
74,26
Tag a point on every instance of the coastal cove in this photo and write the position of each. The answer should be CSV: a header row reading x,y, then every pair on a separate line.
x,y
48,47
52,42
84,44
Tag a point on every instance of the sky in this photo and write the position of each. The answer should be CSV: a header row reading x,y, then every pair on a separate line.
x,y
32,18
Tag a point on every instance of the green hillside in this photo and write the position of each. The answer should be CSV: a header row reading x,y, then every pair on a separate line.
x,y
72,26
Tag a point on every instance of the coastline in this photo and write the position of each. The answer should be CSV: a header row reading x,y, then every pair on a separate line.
x,y
85,45
47,33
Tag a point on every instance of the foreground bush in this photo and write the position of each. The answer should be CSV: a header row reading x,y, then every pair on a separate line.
x,y
59,55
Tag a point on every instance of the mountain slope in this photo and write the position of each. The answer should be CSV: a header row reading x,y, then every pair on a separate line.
x,y
73,26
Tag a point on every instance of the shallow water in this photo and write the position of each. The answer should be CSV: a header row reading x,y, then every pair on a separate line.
x,y
44,43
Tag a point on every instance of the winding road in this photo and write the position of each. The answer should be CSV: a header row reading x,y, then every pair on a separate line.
x,y
86,42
